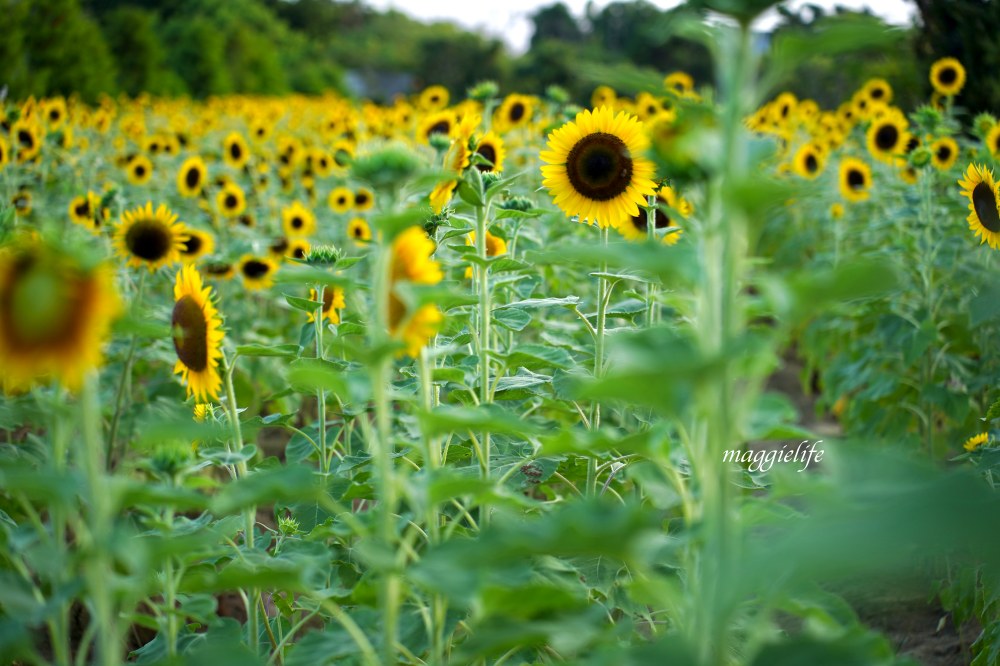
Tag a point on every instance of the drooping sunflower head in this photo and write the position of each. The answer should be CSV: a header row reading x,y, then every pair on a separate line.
x,y
855,179
139,170
594,169
198,244
976,441
984,204
219,270
947,76
230,200
197,335
944,152
297,220
55,314
192,176
149,238
491,148
257,272
412,258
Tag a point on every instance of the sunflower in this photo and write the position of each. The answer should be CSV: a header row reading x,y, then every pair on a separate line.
x,y
359,231
297,220
433,98
340,200
197,334
85,210
809,161
515,111
55,315
855,179
219,270
139,170
192,176
984,204
439,122
594,170
412,258
603,96
333,300
22,202
877,90
993,140
947,76
636,227
298,248
4,152
342,154
198,244
455,161
364,199
944,152
235,151
321,162
27,140
148,238
230,200
257,272
679,83
888,136
491,148
415,330
976,441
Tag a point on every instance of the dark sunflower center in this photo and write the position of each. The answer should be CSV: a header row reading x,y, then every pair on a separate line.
x,y
139,170
361,199
877,93
26,138
149,240
327,299
341,201
231,201
246,221
812,164
948,75
53,115
235,151
440,127
297,222
985,202
82,209
358,231
662,220
911,144
40,307
886,137
217,269
254,269
280,245
490,153
299,252
943,153
855,179
192,245
192,178
190,333
599,166
517,111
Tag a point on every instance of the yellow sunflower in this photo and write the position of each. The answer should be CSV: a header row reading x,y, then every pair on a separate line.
x,y
333,300
257,272
439,122
231,201
515,111
149,238
139,170
433,98
603,96
27,139
55,315
947,76
4,152
491,147
86,211
22,202
984,204
192,176
878,90
455,161
198,244
298,248
809,161
415,330
235,151
888,137
412,258
297,220
855,179
495,246
976,441
364,199
197,334
636,227
359,231
593,167
944,152
993,140
220,270
679,83
340,200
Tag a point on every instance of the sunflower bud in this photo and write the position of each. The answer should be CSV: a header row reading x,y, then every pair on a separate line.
x,y
490,178
517,203
439,142
920,157
323,255
288,526
387,168
557,94
484,91
983,123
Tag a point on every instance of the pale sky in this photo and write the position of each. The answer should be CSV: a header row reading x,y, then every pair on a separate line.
x,y
508,19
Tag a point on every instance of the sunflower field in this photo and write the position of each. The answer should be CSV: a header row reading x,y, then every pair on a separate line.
x,y
688,375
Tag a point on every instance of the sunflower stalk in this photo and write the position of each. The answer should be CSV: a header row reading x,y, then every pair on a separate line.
x,y
603,297
485,396
651,236
321,392
123,382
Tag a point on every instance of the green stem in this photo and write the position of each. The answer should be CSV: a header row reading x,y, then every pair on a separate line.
x,y
60,627
483,274
321,392
123,382
651,236
98,568
603,294
170,593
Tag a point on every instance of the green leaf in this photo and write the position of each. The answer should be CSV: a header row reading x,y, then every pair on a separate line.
x,y
533,357
267,486
309,374
510,318
281,351
490,418
304,304
529,303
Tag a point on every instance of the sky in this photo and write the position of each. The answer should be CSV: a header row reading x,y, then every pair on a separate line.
x,y
508,19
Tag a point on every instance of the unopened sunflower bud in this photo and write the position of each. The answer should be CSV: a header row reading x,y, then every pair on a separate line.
x,y
920,157
483,91
557,94
983,123
517,203
387,168
490,178
439,142
323,255
288,526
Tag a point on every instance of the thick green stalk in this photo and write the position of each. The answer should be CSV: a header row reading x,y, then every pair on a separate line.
x,y
485,397
324,463
170,593
432,461
98,568
124,381
651,236
59,627
603,296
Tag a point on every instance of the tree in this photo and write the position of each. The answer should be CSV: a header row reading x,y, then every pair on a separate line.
x,y
555,22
